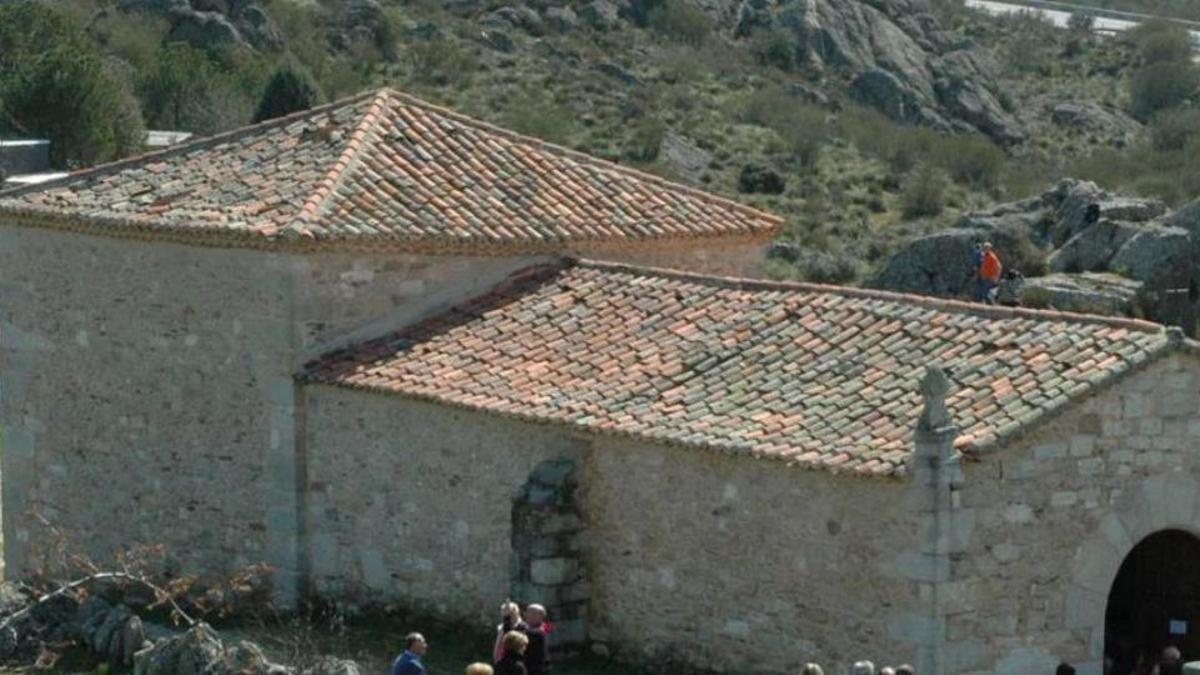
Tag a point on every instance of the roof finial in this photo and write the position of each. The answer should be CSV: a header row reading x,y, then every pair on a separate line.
x,y
934,387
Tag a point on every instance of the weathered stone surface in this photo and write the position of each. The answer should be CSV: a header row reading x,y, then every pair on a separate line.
x,y
203,29
1092,248
1134,260
194,652
898,58
562,19
1094,117
686,159
520,16
1087,293
1158,256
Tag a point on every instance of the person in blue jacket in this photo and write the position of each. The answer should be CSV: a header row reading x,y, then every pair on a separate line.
x,y
409,662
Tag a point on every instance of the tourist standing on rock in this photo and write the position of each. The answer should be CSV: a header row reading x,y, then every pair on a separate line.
x,y
409,662
537,656
510,620
516,646
988,269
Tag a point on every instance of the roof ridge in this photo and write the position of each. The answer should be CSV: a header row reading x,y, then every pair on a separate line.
x,y
582,157
961,306
193,144
317,202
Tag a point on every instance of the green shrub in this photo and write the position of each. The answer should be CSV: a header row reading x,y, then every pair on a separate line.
x,y
1172,129
646,140
681,21
1159,41
289,90
923,193
775,49
55,83
532,114
804,134
825,268
1160,86
974,160
802,127
441,62
68,96
1081,22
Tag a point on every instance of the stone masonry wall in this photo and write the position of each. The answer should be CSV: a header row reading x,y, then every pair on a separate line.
x,y
164,374
744,565
344,298
1056,514
727,562
144,396
412,502
731,260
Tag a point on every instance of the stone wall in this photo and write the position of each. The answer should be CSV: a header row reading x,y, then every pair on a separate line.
x,y
1054,516
740,259
144,396
740,564
744,565
147,390
343,298
412,502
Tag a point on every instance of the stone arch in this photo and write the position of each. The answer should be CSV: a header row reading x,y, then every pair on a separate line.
x,y
1163,502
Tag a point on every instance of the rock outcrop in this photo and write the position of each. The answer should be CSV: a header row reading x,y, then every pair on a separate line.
x,y
213,23
1104,253
897,58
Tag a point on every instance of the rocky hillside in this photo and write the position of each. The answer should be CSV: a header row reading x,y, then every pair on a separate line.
x,y
865,123
896,56
1128,256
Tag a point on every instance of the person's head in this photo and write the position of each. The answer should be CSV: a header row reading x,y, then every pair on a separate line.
x,y
1065,669
812,669
987,246
1171,655
535,614
865,667
479,669
510,610
887,670
906,670
415,643
515,642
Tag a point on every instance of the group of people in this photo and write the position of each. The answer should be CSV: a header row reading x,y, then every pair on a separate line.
x,y
521,646
996,285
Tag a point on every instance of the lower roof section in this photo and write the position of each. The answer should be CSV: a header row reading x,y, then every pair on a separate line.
x,y
819,376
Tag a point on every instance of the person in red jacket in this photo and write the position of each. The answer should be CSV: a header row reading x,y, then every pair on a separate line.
x,y
988,269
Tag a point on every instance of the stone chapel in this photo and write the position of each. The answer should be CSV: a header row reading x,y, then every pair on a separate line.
x,y
405,356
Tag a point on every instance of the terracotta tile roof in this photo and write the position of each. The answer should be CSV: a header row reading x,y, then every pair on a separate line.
x,y
382,169
815,375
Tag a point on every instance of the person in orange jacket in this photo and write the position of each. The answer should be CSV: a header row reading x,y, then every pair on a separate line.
x,y
988,269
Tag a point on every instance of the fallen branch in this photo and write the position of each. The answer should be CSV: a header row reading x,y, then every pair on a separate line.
x,y
160,594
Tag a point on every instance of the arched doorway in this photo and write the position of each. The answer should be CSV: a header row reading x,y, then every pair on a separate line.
x,y
1155,600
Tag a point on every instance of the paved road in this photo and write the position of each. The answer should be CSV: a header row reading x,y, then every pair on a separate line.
x,y
1107,21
